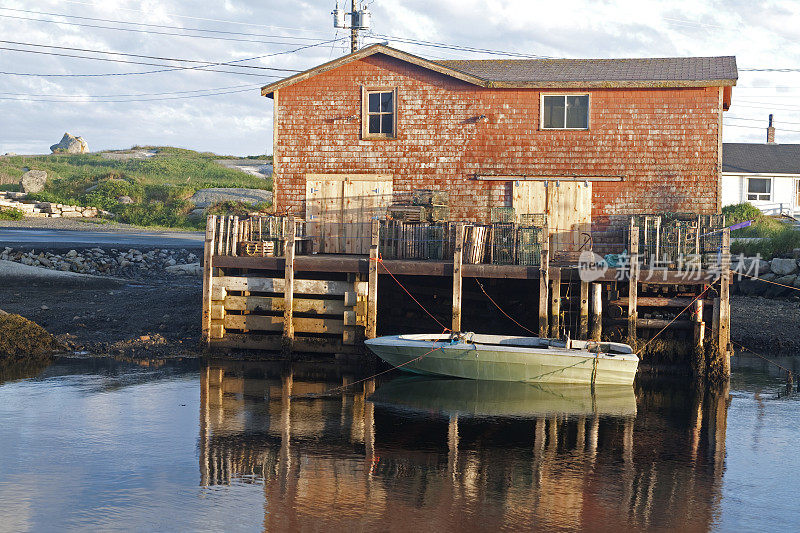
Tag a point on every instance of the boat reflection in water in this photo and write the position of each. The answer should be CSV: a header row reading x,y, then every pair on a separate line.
x,y
430,453
454,397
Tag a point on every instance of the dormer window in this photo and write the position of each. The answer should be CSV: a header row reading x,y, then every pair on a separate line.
x,y
565,112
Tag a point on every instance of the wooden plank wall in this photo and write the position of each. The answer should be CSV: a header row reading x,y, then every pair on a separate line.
x,y
568,206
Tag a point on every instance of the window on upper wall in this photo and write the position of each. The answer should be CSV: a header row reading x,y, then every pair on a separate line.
x,y
379,114
565,112
759,189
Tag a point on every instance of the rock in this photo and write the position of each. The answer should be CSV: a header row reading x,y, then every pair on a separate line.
x,y
783,267
769,276
33,181
752,266
205,197
191,269
125,200
70,144
197,214
72,253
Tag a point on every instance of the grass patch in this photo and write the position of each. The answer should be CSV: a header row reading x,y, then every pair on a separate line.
x,y
11,213
240,209
159,185
777,237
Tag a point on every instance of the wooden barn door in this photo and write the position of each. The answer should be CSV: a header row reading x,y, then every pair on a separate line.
x,y
568,206
340,209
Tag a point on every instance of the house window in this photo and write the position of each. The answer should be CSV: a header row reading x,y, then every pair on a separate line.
x,y
565,112
379,113
759,189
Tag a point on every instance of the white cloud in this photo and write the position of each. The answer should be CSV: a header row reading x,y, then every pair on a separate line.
x,y
760,34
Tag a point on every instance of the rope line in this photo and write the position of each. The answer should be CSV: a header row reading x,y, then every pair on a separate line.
x,y
342,387
501,310
764,280
379,260
743,347
639,353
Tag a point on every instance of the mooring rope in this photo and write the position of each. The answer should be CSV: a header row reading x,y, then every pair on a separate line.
x,y
765,280
501,310
789,373
379,261
640,352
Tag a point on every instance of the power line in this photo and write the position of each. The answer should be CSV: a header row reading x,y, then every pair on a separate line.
x,y
109,60
165,26
433,44
199,18
769,70
171,69
154,32
209,63
756,128
133,95
759,120
126,100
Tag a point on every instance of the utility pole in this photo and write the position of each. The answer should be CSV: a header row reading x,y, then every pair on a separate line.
x,y
353,30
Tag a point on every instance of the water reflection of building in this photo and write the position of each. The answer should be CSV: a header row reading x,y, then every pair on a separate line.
x,y
352,463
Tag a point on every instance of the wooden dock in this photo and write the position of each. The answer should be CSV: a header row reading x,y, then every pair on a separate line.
x,y
290,301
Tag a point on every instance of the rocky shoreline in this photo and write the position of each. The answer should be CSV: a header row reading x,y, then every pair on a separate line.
x,y
131,263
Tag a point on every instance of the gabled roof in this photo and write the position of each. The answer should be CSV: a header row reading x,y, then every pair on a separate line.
x,y
755,158
554,73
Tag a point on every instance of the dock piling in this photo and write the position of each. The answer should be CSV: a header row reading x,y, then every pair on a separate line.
x,y
208,253
597,311
372,294
633,285
288,290
555,302
458,255
543,284
583,319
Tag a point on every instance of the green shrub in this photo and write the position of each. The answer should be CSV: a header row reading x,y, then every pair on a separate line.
x,y
171,214
106,193
763,225
11,213
786,240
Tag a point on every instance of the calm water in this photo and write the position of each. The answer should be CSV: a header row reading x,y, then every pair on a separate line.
x,y
110,445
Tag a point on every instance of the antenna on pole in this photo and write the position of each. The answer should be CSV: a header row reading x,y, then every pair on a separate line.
x,y
360,20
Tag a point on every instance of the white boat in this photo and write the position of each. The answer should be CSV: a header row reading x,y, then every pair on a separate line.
x,y
504,358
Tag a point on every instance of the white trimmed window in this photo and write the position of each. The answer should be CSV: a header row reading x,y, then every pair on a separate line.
x,y
759,189
565,111
379,113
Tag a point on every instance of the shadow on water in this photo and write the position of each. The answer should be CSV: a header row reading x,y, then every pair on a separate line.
x,y
416,452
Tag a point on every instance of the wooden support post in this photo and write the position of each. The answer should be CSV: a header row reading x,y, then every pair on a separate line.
x,y
372,297
235,236
458,253
725,304
208,253
633,285
288,289
555,302
544,278
699,325
583,318
597,311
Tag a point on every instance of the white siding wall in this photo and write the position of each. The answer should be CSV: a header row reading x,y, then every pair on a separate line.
x,y
734,191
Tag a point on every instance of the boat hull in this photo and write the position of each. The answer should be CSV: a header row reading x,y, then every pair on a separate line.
x,y
436,355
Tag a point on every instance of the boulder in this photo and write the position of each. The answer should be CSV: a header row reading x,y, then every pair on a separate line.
x,y
33,181
205,197
752,266
70,144
783,267
191,269
125,200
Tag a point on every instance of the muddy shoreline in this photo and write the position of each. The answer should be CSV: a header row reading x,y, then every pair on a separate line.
x,y
152,318
770,327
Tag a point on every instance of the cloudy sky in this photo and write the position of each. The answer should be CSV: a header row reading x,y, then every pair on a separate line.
x,y
126,100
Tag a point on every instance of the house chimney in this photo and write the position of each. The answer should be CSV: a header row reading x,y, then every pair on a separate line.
x,y
770,132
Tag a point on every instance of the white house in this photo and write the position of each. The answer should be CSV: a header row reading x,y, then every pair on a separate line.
x,y
765,175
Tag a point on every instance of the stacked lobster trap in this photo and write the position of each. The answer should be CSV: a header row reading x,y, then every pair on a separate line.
x,y
673,240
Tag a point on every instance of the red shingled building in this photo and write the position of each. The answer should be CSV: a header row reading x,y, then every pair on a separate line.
x,y
635,135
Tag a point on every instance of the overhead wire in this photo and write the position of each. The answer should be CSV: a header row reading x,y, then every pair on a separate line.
x,y
165,26
153,32
126,99
126,54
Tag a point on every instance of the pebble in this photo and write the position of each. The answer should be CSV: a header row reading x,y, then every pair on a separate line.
x,y
132,263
